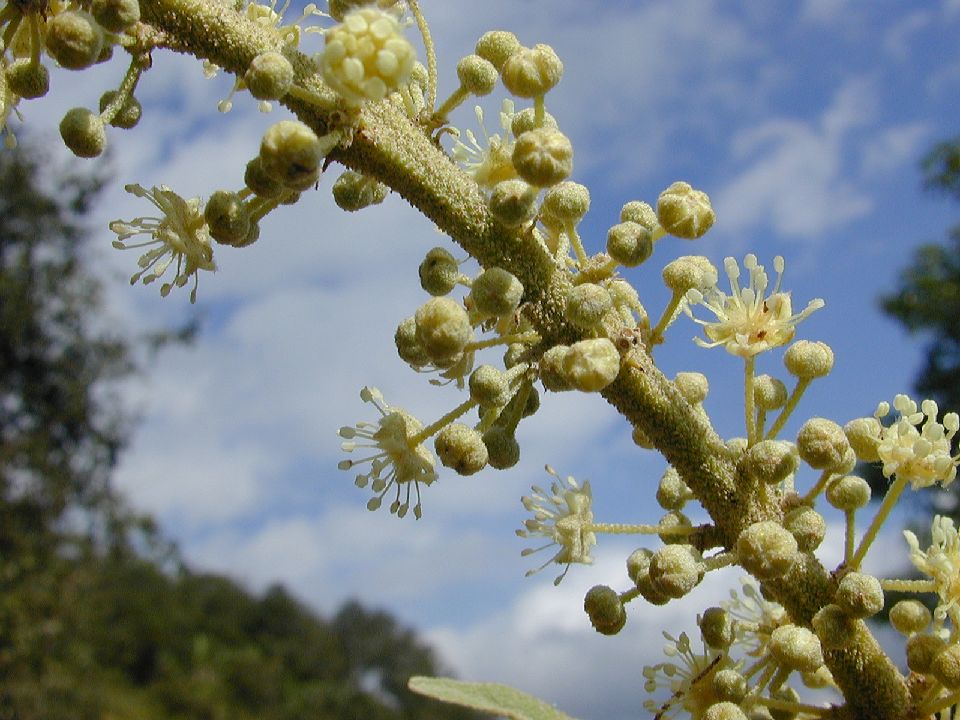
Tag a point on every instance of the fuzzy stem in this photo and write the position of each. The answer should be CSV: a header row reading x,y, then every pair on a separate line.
x,y
788,408
424,29
889,500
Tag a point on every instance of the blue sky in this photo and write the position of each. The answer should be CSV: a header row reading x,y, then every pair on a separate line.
x,y
804,121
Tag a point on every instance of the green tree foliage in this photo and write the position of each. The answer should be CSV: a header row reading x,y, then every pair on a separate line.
x,y
98,617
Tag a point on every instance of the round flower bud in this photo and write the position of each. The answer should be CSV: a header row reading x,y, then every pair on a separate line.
x,y
863,434
552,374
689,272
724,711
693,386
921,651
115,15
477,75
227,218
439,272
717,628
946,667
515,354
629,243
488,387
496,292
641,439
859,595
771,461
675,570
766,550
586,305
531,72
129,113
408,346
848,493
292,153
591,365
672,492
353,191
807,360
796,648
671,521
502,448
533,403
730,685
822,444
73,39
784,694
497,46
28,79
640,213
543,157
513,202
638,563
461,449
443,328
257,179
605,609
769,393
807,526
819,679
650,593
83,133
269,76
366,56
834,627
526,119
910,616
684,212
566,202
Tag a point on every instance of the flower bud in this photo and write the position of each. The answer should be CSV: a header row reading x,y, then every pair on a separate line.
x,y
640,213
638,563
227,218
675,570
496,292
689,272
439,272
115,15
859,595
586,305
807,527
513,202
730,685
848,493
83,132
129,113
526,119
669,523
477,75
717,628
353,191
771,461
269,76
408,346
835,628
74,40
863,434
461,449
27,78
591,365
552,374
497,46
605,609
566,202
292,153
796,648
531,72
629,243
769,393
515,354
502,448
443,328
766,550
543,157
641,439
724,711
822,444
488,387
910,616
808,360
261,183
533,402
946,667
684,212
921,652
672,492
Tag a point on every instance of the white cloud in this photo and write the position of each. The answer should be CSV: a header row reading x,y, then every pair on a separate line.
x,y
889,150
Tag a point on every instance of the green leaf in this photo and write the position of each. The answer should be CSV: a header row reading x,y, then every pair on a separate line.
x,y
502,700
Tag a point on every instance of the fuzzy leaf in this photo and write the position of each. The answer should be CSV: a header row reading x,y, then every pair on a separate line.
x,y
502,700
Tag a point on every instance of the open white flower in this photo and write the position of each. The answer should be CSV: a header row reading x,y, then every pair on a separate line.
x,y
748,320
493,162
941,563
180,235
398,459
917,447
688,677
564,516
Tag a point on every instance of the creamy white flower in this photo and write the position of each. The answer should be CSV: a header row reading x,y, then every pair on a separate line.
x,y
941,563
563,516
917,447
491,162
180,235
748,320
398,459
689,678
755,618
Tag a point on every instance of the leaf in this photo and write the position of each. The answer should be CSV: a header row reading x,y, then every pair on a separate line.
x,y
502,700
